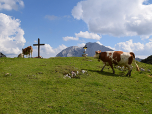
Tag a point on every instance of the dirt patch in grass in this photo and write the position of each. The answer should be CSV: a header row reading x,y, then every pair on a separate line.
x,y
150,76
65,69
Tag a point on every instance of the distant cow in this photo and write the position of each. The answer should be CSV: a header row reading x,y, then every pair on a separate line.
x,y
117,58
27,51
20,55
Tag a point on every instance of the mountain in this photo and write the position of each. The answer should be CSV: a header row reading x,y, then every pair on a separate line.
x,y
75,51
147,60
138,59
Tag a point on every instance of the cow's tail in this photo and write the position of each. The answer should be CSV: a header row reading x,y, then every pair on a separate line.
x,y
137,68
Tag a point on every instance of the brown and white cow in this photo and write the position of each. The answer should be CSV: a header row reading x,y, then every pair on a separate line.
x,y
27,51
117,58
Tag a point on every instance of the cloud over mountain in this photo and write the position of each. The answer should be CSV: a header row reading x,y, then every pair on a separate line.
x,y
141,50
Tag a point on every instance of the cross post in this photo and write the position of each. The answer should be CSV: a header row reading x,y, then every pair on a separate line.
x,y
38,47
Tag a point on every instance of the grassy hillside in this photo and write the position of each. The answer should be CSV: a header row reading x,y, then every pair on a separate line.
x,y
147,60
37,86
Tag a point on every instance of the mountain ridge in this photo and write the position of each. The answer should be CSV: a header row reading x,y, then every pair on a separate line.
x,y
147,60
78,51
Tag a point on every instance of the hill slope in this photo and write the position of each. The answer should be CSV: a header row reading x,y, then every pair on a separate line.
x,y
32,85
148,60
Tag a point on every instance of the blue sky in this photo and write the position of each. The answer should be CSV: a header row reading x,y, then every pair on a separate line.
x,y
121,25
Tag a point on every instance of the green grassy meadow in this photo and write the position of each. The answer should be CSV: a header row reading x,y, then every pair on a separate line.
x,y
37,86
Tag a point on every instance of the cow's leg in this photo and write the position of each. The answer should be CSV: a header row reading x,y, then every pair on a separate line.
x,y
130,73
31,54
103,67
110,63
129,70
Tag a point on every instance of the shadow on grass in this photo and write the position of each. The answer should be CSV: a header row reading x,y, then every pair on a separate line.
x,y
106,73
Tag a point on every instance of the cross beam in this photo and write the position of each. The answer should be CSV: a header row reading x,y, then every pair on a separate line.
x,y
38,47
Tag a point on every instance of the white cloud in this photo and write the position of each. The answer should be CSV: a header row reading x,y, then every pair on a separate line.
x,y
77,11
11,35
110,47
61,47
81,45
11,4
141,56
47,51
88,35
69,38
81,34
52,17
116,17
129,46
144,37
140,50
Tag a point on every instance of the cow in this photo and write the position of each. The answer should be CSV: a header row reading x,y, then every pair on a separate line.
x,y
20,55
27,51
117,58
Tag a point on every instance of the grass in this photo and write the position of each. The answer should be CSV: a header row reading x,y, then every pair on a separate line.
x,y
37,86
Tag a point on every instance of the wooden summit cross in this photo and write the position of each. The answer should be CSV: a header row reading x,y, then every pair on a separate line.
x,y
38,47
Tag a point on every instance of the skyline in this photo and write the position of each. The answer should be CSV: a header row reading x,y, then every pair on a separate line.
x,y
120,25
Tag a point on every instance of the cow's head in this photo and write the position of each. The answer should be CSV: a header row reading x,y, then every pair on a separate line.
x,y
97,53
30,46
